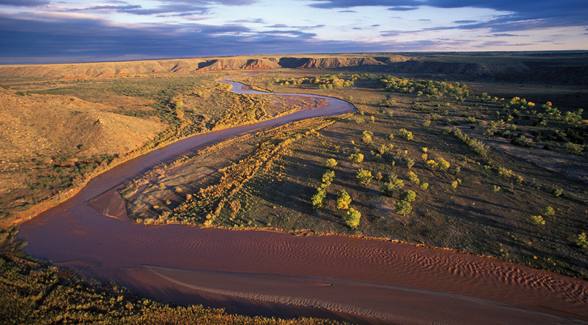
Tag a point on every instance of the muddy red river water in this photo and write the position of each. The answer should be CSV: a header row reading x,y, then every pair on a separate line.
x,y
277,274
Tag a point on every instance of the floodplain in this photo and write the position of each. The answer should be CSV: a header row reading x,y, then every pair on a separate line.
x,y
487,164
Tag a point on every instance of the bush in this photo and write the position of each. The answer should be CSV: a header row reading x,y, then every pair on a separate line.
x,y
537,220
549,211
557,192
409,163
328,177
343,200
331,163
582,240
356,158
318,198
409,196
454,184
389,188
405,134
574,149
403,207
496,188
364,176
438,164
352,218
413,178
366,137
424,186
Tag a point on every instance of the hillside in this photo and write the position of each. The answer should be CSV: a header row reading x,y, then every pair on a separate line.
x,y
552,67
43,125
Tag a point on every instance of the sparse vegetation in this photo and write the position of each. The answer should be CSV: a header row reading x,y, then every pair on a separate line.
x,y
352,218
280,178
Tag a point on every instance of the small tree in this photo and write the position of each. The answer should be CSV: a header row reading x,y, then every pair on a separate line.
x,y
356,158
343,200
352,218
424,186
331,163
443,165
328,177
413,178
389,188
549,211
318,198
403,207
364,177
409,196
366,136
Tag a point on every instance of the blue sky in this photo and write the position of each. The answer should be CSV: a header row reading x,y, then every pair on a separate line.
x,y
55,31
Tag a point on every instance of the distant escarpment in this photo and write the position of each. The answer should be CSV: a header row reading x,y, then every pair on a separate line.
x,y
560,67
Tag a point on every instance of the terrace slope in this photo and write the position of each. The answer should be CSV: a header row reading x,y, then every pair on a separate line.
x,y
559,67
42,125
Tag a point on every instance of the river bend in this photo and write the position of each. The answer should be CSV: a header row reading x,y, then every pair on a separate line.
x,y
277,274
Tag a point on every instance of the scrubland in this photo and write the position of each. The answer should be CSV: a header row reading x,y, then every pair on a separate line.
x,y
480,164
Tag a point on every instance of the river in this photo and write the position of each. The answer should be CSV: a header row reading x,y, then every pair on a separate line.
x,y
277,274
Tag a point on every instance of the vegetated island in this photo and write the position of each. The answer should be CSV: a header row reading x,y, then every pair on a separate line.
x,y
478,153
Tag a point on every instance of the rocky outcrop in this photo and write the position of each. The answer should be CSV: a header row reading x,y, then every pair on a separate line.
x,y
239,64
511,68
327,63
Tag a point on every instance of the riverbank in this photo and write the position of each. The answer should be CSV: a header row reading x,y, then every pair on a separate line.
x,y
257,264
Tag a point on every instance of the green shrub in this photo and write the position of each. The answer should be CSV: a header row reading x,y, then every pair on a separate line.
x,y
424,186
331,163
366,137
496,188
328,177
409,163
409,196
537,220
405,134
378,176
549,211
454,184
582,240
352,218
364,177
343,200
391,187
574,149
356,158
318,198
438,164
403,207
557,192
413,178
